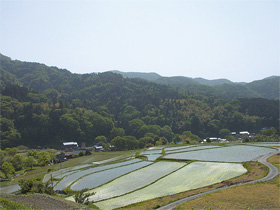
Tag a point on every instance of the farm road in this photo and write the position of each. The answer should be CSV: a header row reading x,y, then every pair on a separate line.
x,y
273,172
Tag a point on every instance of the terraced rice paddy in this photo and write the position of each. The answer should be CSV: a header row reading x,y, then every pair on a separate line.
x,y
191,149
133,181
128,183
192,176
71,176
265,144
149,152
99,178
176,148
223,154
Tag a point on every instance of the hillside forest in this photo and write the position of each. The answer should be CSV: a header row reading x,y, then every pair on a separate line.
x,y
45,106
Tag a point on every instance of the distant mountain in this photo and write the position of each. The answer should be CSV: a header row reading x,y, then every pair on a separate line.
x,y
45,106
267,88
179,80
146,76
176,80
41,77
212,82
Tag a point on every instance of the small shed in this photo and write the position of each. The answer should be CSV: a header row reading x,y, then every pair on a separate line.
x,y
70,145
98,148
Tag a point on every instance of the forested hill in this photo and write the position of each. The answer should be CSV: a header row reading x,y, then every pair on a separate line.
x,y
45,106
267,88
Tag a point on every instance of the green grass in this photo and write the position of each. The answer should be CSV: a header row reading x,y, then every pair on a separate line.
x,y
9,204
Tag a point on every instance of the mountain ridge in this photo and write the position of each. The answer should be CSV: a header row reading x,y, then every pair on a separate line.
x,y
45,106
264,88
41,77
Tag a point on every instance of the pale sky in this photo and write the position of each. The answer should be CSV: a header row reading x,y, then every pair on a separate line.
x,y
234,39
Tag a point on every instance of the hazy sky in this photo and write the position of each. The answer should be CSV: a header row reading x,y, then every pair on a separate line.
x,y
234,39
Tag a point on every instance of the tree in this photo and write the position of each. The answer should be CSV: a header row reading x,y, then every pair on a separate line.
x,y
118,142
214,127
224,132
134,126
107,147
3,156
43,158
18,162
176,138
11,151
167,132
117,132
30,161
102,140
7,168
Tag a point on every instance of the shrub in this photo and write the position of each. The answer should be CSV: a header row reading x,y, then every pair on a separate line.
x,y
35,186
82,196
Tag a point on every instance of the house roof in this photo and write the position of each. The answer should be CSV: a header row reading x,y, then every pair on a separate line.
x,y
70,143
68,153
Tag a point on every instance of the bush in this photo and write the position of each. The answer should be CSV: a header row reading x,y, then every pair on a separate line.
x,y
35,186
81,153
82,196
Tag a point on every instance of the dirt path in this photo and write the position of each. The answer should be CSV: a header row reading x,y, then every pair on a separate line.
x,y
273,172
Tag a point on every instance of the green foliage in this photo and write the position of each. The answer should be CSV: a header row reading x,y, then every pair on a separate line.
x,y
11,151
188,137
82,196
267,135
46,106
81,153
7,168
35,186
137,154
224,132
18,161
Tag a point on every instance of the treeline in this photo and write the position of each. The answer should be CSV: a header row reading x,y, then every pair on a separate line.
x,y
11,160
45,106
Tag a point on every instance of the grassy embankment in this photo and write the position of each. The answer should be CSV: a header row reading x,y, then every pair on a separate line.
x,y
264,195
255,171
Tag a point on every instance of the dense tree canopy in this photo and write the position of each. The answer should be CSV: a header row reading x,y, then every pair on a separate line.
x,y
45,106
